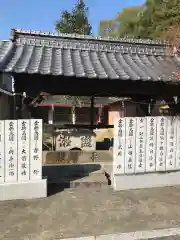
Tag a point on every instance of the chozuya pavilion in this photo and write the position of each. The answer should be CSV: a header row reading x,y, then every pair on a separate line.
x,y
87,66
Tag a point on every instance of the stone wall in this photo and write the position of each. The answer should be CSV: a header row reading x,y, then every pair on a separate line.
x,y
64,157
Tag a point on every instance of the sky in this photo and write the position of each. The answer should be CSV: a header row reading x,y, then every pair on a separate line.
x,y
43,14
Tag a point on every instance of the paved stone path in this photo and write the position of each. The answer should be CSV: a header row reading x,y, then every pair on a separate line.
x,y
167,238
86,212
159,234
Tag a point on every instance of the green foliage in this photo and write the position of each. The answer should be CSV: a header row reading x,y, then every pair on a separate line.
x,y
158,16
124,24
75,21
152,20
128,20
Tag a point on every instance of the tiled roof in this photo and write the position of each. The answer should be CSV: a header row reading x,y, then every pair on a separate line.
x,y
86,56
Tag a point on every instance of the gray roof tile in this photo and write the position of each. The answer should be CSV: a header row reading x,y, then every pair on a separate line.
x,y
86,56
60,99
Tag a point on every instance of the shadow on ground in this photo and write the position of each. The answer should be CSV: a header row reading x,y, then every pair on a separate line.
x,y
60,177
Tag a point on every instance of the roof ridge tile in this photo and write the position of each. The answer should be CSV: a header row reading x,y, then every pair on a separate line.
x,y
93,45
16,32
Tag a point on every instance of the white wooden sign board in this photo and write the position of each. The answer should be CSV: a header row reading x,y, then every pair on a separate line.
x,y
161,144
23,150
35,149
118,150
140,163
177,154
130,145
11,151
150,144
171,143
2,160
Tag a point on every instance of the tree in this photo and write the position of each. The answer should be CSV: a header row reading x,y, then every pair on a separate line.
x,y
172,36
122,25
128,20
108,28
75,21
151,20
157,17
145,19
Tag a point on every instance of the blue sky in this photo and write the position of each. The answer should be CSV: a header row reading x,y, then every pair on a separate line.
x,y
42,14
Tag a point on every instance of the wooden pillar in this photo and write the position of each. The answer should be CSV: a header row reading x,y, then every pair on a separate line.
x,y
152,106
51,115
145,106
18,103
92,112
101,115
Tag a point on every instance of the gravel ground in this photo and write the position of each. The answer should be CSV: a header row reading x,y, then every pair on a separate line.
x,y
90,211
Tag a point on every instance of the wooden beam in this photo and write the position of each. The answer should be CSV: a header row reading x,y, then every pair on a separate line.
x,y
34,84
